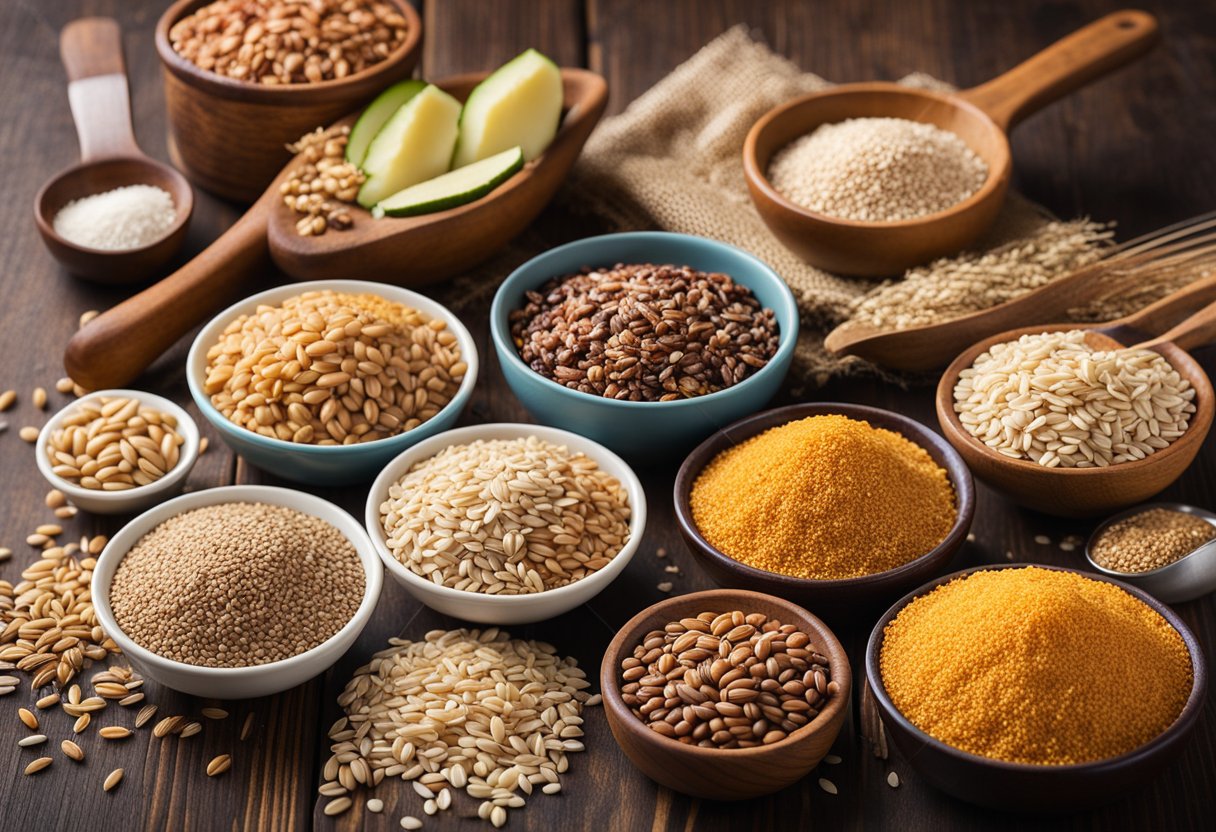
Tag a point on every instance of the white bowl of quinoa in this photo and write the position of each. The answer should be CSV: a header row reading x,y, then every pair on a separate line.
x,y
237,592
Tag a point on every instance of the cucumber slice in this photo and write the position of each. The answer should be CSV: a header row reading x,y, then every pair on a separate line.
x,y
519,104
379,111
458,187
414,145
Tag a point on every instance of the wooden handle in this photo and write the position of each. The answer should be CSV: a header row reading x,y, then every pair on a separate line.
x,y
118,345
91,50
1167,312
1066,65
1196,331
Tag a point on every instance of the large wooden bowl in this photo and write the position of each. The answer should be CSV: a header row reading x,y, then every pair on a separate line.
x,y
845,598
1021,787
1077,492
230,137
724,773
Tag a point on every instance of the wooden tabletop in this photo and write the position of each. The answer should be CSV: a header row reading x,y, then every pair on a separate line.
x,y
1136,148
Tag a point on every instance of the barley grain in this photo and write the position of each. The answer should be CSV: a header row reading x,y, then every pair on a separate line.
x,y
114,732
72,751
48,701
112,780
219,765
38,765
144,715
82,722
28,718
215,713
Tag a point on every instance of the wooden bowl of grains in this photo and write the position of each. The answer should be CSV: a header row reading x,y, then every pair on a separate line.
x,y
839,507
736,741
1117,686
230,123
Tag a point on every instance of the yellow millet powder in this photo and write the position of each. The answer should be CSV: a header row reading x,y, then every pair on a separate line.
x,y
824,497
1035,666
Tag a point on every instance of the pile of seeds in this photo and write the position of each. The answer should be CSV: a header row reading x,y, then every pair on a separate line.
x,y
644,333
323,178
114,443
328,368
1150,540
954,286
237,585
50,627
826,498
877,170
726,680
506,517
463,709
1051,399
1037,666
289,42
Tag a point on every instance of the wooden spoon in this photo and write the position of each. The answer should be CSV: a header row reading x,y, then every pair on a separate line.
x,y
1085,492
1188,246
91,49
119,344
981,116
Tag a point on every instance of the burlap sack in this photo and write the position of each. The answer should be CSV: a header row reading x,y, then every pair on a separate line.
x,y
673,160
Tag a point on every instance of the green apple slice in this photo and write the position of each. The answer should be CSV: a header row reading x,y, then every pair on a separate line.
x,y
377,113
414,145
458,187
519,104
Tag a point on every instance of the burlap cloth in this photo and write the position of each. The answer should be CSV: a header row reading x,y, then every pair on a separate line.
x,y
673,160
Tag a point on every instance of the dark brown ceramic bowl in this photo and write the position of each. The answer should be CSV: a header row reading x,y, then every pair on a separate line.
x,y
229,137
1029,788
728,773
846,597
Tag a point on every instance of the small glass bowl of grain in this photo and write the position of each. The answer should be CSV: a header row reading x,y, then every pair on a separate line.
x,y
202,570
839,507
134,450
349,382
1166,549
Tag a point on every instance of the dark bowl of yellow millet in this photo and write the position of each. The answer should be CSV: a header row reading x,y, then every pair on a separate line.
x,y
1035,688
838,507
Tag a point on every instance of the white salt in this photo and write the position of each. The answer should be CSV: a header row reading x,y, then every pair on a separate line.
x,y
124,218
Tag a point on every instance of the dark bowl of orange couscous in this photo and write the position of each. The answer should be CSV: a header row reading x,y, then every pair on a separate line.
x,y
1032,688
840,507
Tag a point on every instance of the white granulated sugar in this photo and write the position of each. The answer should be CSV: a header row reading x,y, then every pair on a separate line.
x,y
124,218
877,170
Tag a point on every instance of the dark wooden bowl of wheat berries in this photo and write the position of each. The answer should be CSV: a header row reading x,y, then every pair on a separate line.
x,y
1132,702
861,537
240,89
742,670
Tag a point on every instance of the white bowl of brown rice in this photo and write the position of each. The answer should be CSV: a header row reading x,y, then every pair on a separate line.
x,y
506,523
237,592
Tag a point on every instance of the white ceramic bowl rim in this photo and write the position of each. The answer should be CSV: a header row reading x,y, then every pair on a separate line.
x,y
186,428
373,574
787,340
209,335
440,441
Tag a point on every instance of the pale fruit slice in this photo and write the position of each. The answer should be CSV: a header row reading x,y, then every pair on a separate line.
x,y
520,104
379,111
414,145
455,188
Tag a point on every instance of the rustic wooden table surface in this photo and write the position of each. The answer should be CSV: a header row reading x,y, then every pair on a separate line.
x,y
1136,148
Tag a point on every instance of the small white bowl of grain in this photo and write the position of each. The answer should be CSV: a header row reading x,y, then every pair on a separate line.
x,y
118,451
237,592
506,523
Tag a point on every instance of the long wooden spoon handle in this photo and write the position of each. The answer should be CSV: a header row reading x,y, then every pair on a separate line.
x,y
1196,331
1066,65
91,50
118,345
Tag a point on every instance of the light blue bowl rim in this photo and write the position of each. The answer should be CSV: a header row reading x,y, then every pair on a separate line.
x,y
398,442
504,346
